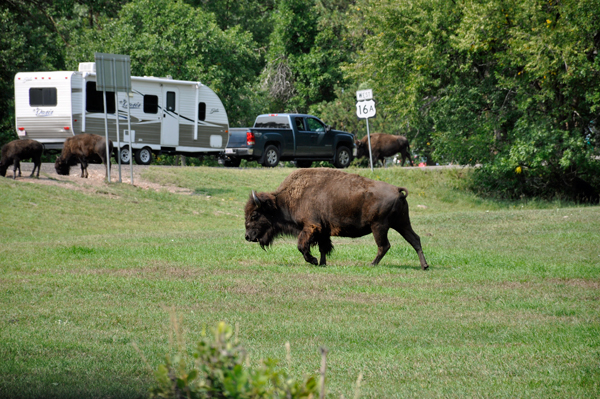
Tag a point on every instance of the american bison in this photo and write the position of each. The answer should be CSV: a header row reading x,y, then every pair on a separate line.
x,y
384,145
84,149
315,204
18,150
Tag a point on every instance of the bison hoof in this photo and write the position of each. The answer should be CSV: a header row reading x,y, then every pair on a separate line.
x,y
313,260
425,267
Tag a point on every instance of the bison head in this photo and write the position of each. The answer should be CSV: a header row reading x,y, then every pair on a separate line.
x,y
3,168
260,214
62,166
362,149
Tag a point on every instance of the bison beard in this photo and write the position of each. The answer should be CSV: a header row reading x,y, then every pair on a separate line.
x,y
315,204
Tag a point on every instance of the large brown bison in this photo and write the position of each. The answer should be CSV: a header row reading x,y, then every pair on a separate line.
x,y
315,204
84,149
384,145
18,150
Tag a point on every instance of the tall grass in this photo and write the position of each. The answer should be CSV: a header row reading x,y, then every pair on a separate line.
x,y
509,307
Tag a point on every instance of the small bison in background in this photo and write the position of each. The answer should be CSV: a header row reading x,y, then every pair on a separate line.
x,y
315,204
18,150
84,149
384,145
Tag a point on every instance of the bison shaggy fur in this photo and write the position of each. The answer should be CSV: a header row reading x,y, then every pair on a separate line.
x,y
382,146
315,204
83,149
18,150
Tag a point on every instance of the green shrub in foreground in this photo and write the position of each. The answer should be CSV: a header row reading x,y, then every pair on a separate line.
x,y
219,370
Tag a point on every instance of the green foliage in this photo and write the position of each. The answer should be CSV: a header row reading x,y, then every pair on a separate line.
x,y
500,83
305,53
218,370
172,38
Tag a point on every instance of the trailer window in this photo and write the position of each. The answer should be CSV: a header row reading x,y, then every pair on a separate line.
x,y
171,101
94,102
150,104
42,97
202,111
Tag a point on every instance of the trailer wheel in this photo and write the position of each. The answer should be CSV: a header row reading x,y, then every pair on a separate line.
x,y
143,156
125,154
343,157
271,156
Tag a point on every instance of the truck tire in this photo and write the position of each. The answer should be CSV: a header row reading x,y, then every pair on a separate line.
x,y
143,156
271,156
343,157
125,155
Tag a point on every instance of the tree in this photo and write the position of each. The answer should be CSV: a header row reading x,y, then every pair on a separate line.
x,y
512,85
172,38
305,53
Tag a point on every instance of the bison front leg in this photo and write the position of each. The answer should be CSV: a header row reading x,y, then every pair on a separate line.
x,y
305,239
325,248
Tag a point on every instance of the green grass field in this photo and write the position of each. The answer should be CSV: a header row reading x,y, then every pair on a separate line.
x,y
509,308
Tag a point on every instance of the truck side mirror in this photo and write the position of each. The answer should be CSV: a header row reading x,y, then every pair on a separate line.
x,y
327,128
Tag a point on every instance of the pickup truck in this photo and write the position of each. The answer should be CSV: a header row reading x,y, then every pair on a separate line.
x,y
289,137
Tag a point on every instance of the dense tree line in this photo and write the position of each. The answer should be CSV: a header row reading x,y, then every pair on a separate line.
x,y
511,85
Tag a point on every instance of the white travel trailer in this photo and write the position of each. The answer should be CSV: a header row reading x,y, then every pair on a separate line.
x,y
167,116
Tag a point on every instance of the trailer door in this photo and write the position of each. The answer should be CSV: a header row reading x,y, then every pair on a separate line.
x,y
170,123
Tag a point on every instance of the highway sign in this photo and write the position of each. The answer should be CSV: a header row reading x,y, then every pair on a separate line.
x,y
365,109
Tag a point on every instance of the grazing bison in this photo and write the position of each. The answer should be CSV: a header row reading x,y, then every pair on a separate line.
x,y
315,204
384,145
84,149
18,150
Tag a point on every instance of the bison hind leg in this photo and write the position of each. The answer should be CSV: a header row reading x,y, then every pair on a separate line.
x,y
380,233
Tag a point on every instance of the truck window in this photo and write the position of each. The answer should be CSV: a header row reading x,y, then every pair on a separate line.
x,y
94,102
42,97
202,111
150,104
300,124
273,122
315,125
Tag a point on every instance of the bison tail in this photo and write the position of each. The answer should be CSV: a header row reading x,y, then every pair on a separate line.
x,y
403,192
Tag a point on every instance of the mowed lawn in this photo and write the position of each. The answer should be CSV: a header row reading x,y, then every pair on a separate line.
x,y
509,308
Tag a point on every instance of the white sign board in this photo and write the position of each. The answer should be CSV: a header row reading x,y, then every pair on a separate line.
x,y
365,109
363,95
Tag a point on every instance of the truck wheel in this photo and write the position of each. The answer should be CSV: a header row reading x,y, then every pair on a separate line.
x,y
304,164
143,156
125,155
343,157
271,156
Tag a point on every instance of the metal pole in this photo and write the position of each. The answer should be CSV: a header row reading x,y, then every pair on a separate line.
x,y
117,117
130,146
369,139
106,134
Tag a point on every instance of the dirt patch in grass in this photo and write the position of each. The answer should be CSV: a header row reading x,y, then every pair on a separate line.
x,y
96,182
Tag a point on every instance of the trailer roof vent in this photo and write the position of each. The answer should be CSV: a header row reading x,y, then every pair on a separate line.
x,y
87,67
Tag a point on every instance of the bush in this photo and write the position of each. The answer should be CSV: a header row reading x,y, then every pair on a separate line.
x,y
217,369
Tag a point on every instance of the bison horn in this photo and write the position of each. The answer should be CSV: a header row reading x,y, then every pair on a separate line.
x,y
255,198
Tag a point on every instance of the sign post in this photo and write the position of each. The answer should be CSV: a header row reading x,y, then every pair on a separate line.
x,y
365,109
113,73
